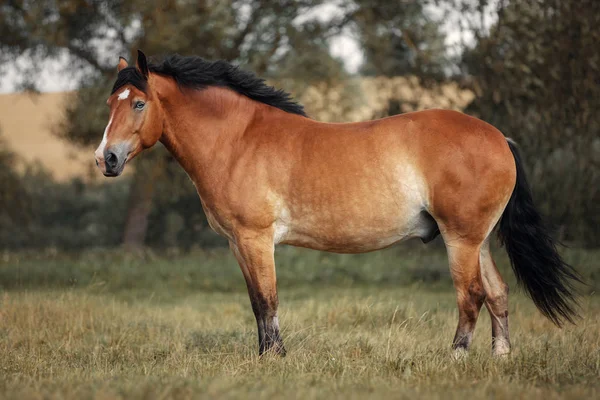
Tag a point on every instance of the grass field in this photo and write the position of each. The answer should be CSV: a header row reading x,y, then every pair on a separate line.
x,y
107,325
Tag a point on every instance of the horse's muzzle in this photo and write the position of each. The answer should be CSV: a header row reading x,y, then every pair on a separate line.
x,y
114,160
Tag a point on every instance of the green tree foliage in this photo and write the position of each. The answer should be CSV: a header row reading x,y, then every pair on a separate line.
x,y
400,38
80,29
536,76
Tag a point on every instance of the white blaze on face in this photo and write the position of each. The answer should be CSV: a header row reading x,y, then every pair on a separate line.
x,y
123,95
100,150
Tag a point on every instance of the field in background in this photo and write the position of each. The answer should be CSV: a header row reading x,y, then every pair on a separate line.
x,y
111,325
26,123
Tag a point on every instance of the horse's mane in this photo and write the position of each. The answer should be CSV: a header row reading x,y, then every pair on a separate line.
x,y
198,73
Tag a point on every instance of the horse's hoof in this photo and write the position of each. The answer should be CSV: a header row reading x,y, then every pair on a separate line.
x,y
460,353
501,348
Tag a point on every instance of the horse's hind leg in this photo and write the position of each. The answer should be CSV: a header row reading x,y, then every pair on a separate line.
x,y
464,268
254,253
496,301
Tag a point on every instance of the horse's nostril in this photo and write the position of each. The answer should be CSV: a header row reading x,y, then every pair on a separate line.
x,y
111,159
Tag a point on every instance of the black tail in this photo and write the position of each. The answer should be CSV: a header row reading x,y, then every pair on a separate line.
x,y
533,255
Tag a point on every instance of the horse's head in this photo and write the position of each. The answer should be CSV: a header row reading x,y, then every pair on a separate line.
x,y
135,121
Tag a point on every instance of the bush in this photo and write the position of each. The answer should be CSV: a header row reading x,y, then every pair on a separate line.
x,y
38,212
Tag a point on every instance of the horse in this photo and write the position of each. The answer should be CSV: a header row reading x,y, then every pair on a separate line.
x,y
267,174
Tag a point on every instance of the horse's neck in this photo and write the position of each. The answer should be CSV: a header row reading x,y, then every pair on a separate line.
x,y
201,128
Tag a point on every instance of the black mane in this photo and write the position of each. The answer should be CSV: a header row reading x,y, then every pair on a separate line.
x,y
197,73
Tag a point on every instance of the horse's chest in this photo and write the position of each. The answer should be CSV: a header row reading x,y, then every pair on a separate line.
x,y
216,221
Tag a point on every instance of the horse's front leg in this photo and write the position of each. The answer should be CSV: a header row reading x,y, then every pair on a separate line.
x,y
255,254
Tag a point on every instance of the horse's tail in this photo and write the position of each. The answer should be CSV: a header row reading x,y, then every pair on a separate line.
x,y
547,278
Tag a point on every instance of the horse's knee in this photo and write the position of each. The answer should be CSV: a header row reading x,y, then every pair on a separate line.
x,y
471,300
499,296
476,291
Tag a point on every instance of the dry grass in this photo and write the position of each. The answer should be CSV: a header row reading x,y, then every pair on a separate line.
x,y
357,339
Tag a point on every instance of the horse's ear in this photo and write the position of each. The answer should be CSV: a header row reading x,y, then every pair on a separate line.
x,y
122,64
142,64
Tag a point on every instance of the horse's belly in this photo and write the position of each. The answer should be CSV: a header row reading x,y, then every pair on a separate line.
x,y
355,235
344,244
357,212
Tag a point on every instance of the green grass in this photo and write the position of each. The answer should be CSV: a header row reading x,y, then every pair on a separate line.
x,y
109,325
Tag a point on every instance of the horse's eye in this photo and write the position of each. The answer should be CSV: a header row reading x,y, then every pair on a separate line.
x,y
139,105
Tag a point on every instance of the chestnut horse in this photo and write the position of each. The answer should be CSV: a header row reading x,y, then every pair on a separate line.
x,y
267,174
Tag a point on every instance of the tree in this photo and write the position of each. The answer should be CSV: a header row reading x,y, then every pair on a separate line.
x,y
400,38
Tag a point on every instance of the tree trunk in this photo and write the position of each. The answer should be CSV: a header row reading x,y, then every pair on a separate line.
x,y
141,195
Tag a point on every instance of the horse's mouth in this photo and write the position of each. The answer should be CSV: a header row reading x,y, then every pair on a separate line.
x,y
112,173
